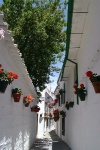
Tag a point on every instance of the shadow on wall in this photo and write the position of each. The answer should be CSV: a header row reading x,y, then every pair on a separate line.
x,y
20,143
40,119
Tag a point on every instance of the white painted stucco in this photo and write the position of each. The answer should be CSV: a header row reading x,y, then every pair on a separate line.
x,y
17,123
41,126
83,120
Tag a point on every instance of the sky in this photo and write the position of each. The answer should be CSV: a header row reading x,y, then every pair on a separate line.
x,y
1,1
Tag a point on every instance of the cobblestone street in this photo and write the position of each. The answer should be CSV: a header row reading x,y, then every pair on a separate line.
x,y
50,141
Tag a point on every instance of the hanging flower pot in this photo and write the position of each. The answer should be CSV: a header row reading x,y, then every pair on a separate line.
x,y
82,96
3,86
27,104
81,92
95,79
67,105
96,86
35,108
16,97
61,91
27,100
71,104
63,113
6,78
16,94
56,118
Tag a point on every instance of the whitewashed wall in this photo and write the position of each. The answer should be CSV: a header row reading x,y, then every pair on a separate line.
x,y
41,126
83,120
17,123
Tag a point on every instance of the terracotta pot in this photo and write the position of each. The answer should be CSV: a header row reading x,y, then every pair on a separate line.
x,y
27,104
16,97
35,109
96,86
3,86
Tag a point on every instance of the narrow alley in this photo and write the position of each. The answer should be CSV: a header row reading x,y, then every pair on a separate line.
x,y
50,141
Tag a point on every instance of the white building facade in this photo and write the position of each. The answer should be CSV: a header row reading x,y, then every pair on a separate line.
x,y
18,125
82,122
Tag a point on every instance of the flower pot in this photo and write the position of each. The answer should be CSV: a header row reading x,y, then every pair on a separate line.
x,y
67,106
82,96
3,86
34,109
56,118
71,104
16,97
96,86
63,114
27,104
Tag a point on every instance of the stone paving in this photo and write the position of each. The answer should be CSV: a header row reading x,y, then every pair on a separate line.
x,y
50,141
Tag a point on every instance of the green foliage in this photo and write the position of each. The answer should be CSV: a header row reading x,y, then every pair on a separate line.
x,y
80,91
17,90
38,29
95,77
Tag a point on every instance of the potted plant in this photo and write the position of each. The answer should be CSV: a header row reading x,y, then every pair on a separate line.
x,y
63,113
95,80
35,108
80,91
61,91
6,78
56,115
56,100
50,115
16,94
67,105
71,104
58,96
27,100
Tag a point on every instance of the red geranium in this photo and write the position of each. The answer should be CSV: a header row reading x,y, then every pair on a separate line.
x,y
82,85
75,86
15,76
9,76
24,98
75,92
0,71
89,74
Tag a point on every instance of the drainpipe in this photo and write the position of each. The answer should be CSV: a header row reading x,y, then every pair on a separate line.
x,y
76,76
68,32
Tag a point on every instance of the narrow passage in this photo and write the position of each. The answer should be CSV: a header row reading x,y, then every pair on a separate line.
x,y
50,141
